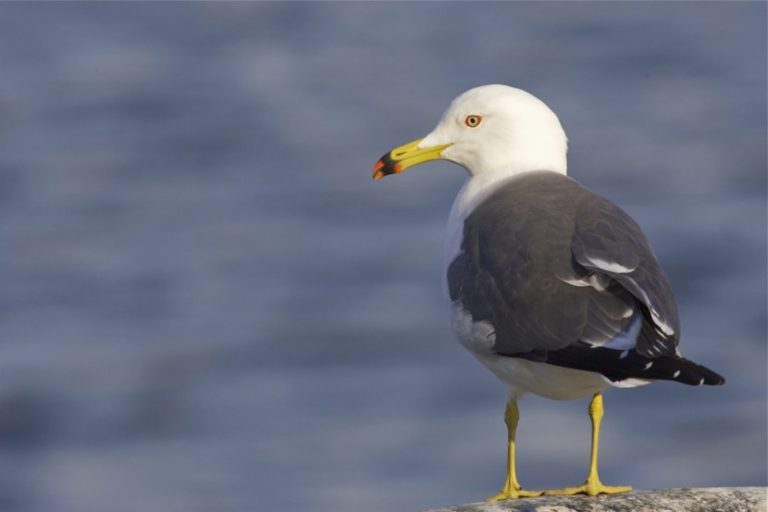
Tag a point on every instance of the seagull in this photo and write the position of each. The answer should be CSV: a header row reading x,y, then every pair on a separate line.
x,y
552,287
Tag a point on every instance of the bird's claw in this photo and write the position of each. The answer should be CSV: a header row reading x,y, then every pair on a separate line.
x,y
590,488
512,493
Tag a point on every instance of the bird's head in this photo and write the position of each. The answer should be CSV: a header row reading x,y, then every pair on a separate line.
x,y
491,128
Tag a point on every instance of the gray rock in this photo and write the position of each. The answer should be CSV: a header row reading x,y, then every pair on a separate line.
x,y
713,499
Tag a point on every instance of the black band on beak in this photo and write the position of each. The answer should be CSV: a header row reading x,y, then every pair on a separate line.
x,y
386,166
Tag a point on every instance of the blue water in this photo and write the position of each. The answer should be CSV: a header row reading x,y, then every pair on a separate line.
x,y
206,304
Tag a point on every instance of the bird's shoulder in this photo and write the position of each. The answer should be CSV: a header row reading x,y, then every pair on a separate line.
x,y
547,207
545,245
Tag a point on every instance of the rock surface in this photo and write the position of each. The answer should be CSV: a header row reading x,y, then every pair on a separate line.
x,y
714,499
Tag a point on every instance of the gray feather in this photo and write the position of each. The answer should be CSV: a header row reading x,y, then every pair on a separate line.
x,y
526,245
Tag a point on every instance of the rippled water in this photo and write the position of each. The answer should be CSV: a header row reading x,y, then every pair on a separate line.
x,y
206,304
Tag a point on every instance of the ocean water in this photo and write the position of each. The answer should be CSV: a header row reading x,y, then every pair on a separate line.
x,y
206,304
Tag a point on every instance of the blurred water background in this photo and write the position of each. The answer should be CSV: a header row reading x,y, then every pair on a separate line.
x,y
206,304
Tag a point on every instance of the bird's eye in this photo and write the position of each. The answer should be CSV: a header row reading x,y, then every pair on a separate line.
x,y
472,120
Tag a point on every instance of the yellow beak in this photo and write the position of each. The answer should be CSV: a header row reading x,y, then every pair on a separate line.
x,y
405,156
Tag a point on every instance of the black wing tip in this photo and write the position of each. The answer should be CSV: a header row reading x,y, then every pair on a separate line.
x,y
617,366
695,374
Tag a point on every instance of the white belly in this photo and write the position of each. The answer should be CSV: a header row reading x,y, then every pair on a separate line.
x,y
555,382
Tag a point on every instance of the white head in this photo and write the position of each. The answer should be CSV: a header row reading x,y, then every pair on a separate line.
x,y
491,128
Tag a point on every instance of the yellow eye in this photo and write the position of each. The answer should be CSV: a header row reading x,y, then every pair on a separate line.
x,y
472,120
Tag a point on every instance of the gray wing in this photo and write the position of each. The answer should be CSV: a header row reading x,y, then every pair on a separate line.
x,y
609,244
549,265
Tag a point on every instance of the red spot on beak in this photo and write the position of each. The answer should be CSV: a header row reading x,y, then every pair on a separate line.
x,y
377,170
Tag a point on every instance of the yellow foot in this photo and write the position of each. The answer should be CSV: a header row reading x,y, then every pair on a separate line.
x,y
590,488
513,494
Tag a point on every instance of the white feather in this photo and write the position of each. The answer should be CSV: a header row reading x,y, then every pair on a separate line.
x,y
610,266
665,328
629,383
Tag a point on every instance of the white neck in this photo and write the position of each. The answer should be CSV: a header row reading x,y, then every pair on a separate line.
x,y
535,149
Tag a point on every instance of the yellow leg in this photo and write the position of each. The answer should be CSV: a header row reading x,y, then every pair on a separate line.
x,y
592,486
512,489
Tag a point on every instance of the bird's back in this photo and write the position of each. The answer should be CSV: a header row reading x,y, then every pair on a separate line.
x,y
553,273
